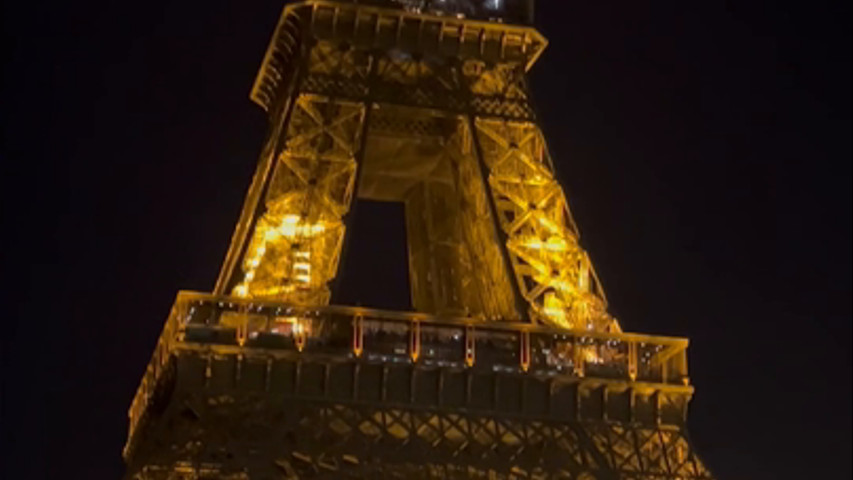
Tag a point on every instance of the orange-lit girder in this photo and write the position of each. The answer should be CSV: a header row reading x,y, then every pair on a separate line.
x,y
294,247
554,273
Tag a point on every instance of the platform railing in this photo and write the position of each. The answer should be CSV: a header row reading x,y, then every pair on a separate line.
x,y
223,324
515,11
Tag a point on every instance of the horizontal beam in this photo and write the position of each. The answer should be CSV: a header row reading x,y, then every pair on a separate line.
x,y
678,343
219,324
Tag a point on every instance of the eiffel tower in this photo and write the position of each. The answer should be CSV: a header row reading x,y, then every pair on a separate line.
x,y
509,367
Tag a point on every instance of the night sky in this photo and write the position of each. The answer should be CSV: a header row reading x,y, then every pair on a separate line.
x,y
705,148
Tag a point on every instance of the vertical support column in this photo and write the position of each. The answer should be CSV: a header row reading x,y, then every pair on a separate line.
x,y
439,269
681,365
299,335
358,335
524,341
296,243
253,206
482,168
469,345
553,274
632,360
359,160
492,283
579,360
657,405
415,340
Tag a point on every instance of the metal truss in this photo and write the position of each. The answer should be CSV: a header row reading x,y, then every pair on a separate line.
x,y
554,273
257,437
505,202
442,41
294,248
489,273
237,387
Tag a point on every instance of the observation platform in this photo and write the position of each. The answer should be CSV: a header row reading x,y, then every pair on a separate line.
x,y
223,345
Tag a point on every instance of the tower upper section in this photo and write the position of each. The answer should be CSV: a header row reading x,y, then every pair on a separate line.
x,y
419,103
487,35
508,11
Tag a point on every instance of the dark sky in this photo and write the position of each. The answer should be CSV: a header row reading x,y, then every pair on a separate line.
x,y
705,147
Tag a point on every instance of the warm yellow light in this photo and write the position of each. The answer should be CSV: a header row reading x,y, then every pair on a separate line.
x,y
591,356
561,285
271,235
583,278
306,267
557,244
534,244
288,230
291,226
287,236
554,308
547,223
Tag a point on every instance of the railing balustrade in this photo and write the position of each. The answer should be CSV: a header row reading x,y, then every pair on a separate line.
x,y
218,322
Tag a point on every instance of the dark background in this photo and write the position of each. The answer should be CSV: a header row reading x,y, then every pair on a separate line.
x,y
704,146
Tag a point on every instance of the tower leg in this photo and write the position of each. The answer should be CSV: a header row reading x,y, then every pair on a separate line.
x,y
294,249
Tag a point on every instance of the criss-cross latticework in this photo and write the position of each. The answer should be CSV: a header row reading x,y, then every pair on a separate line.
x,y
509,367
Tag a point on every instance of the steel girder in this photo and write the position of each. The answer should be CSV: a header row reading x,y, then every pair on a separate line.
x,y
209,429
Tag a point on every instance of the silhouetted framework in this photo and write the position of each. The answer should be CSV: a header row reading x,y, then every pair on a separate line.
x,y
510,366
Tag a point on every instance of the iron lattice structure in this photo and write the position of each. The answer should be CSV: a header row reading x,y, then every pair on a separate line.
x,y
509,367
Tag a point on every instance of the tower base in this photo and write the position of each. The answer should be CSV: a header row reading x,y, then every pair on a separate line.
x,y
237,416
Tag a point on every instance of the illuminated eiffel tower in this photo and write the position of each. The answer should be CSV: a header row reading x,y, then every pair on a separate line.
x,y
509,367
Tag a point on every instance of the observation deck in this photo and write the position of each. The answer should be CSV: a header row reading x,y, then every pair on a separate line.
x,y
223,345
